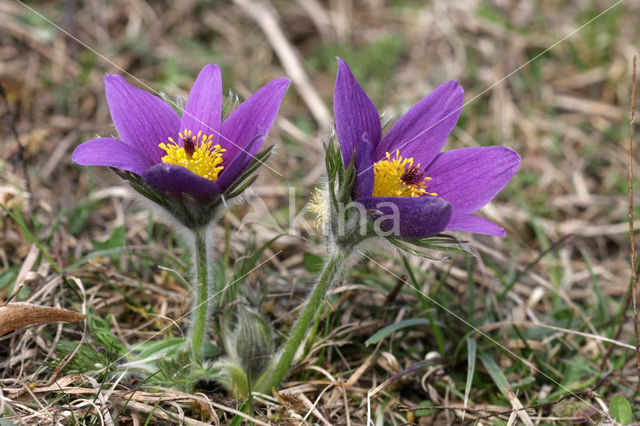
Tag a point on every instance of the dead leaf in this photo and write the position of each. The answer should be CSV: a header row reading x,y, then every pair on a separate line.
x,y
16,315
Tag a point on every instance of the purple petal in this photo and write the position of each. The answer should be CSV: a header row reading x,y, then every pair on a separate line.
x,y
204,105
354,113
364,171
469,223
234,169
112,153
410,217
178,180
142,120
253,117
469,178
423,130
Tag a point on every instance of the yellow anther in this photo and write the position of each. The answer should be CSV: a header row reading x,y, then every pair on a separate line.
x,y
196,154
399,177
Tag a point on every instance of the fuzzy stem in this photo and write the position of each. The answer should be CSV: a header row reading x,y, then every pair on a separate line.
x,y
274,374
202,281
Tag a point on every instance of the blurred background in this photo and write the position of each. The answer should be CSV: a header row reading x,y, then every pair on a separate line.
x,y
550,79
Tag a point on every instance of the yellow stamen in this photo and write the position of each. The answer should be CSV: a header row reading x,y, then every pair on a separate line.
x,y
196,154
319,205
399,177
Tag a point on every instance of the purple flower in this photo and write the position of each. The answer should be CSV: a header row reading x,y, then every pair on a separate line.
x,y
433,191
193,158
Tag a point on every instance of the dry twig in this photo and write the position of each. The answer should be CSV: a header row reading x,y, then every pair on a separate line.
x,y
265,17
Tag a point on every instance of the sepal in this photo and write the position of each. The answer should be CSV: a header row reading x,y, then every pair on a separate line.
x,y
189,211
423,247
345,219
233,100
247,177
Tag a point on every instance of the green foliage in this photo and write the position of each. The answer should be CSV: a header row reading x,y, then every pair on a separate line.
x,y
312,263
7,278
99,355
233,377
115,240
577,370
175,370
496,373
30,236
434,294
78,216
620,409
432,243
248,176
231,282
392,328
425,413
156,349
364,60
472,348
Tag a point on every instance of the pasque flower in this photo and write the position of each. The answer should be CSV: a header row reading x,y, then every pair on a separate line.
x,y
191,159
187,164
405,170
400,182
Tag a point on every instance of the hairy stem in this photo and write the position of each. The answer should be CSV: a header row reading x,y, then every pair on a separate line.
x,y
202,280
279,368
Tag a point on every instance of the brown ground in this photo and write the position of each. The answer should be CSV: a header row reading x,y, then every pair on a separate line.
x,y
564,264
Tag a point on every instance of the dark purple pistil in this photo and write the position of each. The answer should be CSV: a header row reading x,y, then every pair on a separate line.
x,y
189,145
412,176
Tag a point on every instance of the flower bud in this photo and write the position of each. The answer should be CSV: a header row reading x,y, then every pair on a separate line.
x,y
250,344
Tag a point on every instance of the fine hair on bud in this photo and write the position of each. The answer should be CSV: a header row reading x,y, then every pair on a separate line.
x,y
249,340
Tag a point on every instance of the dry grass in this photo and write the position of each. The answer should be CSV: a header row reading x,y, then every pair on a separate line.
x,y
544,305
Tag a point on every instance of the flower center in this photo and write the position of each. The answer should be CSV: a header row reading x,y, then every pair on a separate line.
x,y
196,154
399,177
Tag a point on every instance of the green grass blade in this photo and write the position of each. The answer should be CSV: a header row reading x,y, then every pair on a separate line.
x,y
496,373
392,328
472,347
29,236
437,333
